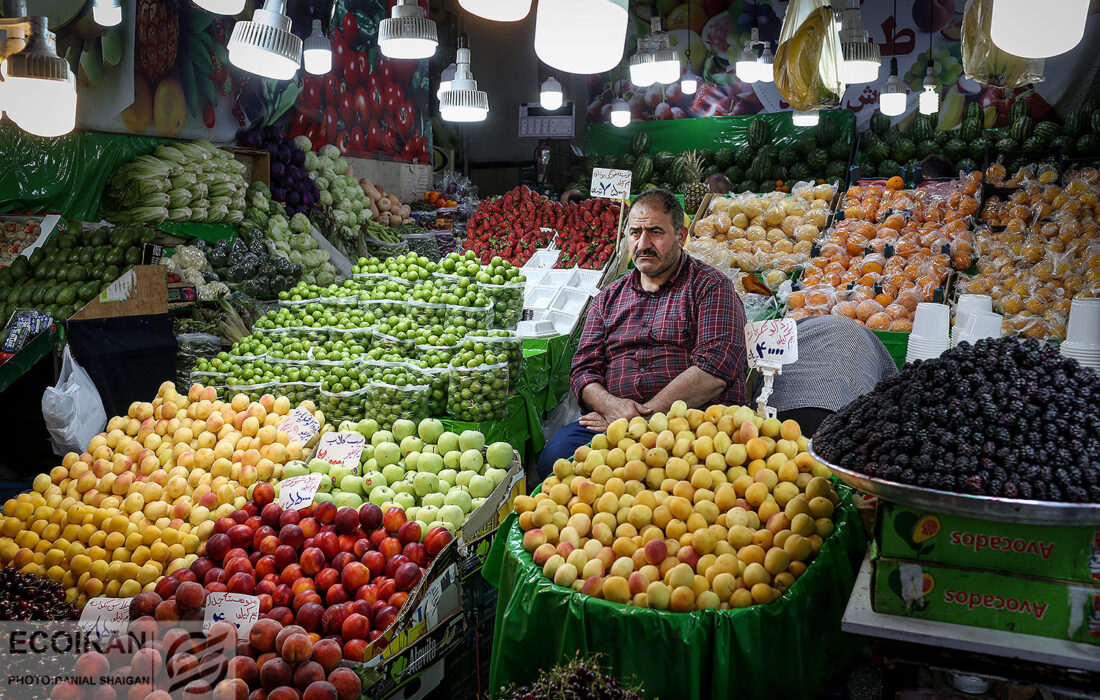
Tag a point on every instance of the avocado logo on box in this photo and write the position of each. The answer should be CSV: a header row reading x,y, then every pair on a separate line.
x,y
917,532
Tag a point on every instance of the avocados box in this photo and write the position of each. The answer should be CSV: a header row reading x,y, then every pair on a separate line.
x,y
1022,604
1057,552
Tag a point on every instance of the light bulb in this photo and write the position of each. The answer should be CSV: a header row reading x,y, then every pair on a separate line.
x,y
107,13
689,83
892,99
765,67
407,34
810,118
746,65
1029,29
860,59
666,62
620,113
39,87
463,102
317,51
643,73
221,7
930,98
497,10
551,97
581,36
265,45
445,79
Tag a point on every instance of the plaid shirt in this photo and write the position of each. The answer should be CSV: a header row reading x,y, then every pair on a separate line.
x,y
635,342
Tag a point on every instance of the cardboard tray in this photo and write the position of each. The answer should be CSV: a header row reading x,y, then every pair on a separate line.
x,y
140,291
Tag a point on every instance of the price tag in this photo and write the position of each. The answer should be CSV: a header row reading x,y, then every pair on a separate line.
x,y
104,618
297,492
300,425
242,610
120,289
341,448
772,343
612,184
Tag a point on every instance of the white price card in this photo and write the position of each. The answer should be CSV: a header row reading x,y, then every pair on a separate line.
x,y
120,289
772,343
612,184
300,425
297,492
341,448
242,610
103,618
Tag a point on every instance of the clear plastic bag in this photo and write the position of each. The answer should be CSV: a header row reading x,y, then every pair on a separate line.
x,y
478,394
384,249
505,344
507,302
253,391
423,244
343,405
472,318
983,61
396,390
433,363
808,57
298,392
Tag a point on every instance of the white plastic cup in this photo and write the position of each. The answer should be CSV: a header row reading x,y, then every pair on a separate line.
x,y
932,322
1083,330
973,302
982,324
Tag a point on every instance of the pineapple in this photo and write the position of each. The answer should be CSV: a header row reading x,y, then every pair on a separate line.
x,y
156,37
693,189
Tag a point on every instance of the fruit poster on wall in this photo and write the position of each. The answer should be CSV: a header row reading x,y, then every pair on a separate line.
x,y
715,31
164,71
368,105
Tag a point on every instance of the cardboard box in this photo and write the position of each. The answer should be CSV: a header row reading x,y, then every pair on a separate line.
x,y
1022,604
1058,552
257,163
140,291
497,506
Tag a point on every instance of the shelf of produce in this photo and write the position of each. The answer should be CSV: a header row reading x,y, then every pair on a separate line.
x,y
26,358
859,618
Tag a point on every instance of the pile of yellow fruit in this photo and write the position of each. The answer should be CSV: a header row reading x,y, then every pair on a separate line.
x,y
694,510
136,505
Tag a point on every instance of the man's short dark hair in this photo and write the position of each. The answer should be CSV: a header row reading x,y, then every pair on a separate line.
x,y
666,201
573,197
936,165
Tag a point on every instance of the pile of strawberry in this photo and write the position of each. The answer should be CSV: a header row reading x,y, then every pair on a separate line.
x,y
512,226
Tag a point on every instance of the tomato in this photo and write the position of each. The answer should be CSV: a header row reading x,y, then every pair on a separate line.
x,y
340,54
352,77
403,118
332,89
350,27
395,99
311,89
362,67
299,124
357,143
385,70
409,151
362,106
389,143
342,142
376,97
330,124
374,137
403,71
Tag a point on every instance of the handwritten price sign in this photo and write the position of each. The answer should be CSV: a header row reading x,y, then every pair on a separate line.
x,y
241,610
297,492
772,343
612,184
341,448
300,425
104,618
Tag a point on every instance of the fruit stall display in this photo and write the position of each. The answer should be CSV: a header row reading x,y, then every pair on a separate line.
x,y
893,249
137,504
1038,247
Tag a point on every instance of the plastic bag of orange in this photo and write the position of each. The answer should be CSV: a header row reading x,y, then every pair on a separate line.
x,y
808,57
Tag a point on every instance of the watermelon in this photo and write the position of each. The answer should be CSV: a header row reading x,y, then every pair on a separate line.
x,y
643,168
942,136
789,156
711,170
1090,106
745,156
970,129
772,152
724,157
706,156
840,150
1088,144
828,131
972,111
759,133
1064,142
663,160
800,171
649,186
1034,144
921,129
889,168
746,186
1077,122
966,165
1006,144
836,169
818,159
877,150
676,170
904,149
1021,128
777,172
640,143
955,149
735,173
977,148
1046,131
1020,108
806,142
760,169
927,148
612,162
880,123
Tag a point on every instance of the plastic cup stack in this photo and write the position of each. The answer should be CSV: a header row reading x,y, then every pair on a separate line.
x,y
1083,332
931,334
968,303
980,324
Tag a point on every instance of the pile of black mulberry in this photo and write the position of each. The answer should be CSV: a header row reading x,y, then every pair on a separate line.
x,y
27,597
580,679
1002,417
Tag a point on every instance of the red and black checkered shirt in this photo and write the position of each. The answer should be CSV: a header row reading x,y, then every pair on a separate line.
x,y
635,342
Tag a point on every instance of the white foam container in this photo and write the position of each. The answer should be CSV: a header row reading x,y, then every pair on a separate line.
x,y
534,275
569,300
535,329
539,296
543,259
561,278
588,278
564,323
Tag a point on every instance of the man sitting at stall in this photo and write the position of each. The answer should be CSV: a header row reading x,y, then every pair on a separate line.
x,y
672,329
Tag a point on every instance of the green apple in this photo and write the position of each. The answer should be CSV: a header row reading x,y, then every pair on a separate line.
x,y
411,513
347,500
412,460
452,515
447,442
381,436
448,475
428,462
249,490
429,448
460,498
433,499
411,443
403,428
347,426
386,505
425,483
403,487
352,484
464,477
471,440
371,465
476,503
481,486
471,459
445,486
318,466
380,494
295,468
387,453
325,486
372,479
404,500
338,473
368,453
321,497
393,472
497,475
367,427
450,459
429,430
499,455
428,513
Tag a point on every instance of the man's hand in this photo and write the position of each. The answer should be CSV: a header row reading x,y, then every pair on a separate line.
x,y
594,421
623,408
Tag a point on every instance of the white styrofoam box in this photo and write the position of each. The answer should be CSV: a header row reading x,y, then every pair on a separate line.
x,y
590,291
588,278
535,329
563,322
570,300
561,278
543,258
539,296
534,275
540,314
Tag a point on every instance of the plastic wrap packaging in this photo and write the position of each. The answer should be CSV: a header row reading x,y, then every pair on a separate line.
x,y
396,390
423,244
298,392
472,318
507,303
504,344
709,251
445,239
384,249
422,314
478,393
808,57
983,61
365,282
759,307
253,391
191,347
433,362
212,379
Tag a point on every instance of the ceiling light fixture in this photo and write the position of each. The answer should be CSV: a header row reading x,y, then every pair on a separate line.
x,y
407,34
497,10
581,36
551,96
221,7
620,113
666,61
642,71
892,99
1038,30
265,45
747,61
810,118
107,13
860,61
930,97
463,102
39,88
445,80
317,51
765,68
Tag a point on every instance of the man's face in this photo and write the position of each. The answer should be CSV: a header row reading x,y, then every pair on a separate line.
x,y
654,239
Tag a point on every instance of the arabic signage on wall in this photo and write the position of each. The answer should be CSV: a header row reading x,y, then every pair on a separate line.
x,y
715,32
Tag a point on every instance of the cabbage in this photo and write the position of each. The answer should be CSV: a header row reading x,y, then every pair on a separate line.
x,y
300,223
341,165
329,151
326,198
303,143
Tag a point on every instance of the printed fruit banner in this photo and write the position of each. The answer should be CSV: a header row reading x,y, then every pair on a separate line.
x,y
368,105
715,31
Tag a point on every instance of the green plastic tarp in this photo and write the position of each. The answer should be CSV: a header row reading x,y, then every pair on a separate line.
x,y
705,132
63,175
514,428
211,233
554,357
788,649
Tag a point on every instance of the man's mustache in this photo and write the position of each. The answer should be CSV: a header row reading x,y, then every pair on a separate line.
x,y
648,251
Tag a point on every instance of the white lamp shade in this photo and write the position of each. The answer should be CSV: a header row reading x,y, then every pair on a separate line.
x,y
408,48
810,118
581,36
221,7
41,107
765,72
667,72
262,62
551,97
107,13
463,114
620,114
497,10
1032,29
892,104
642,74
929,101
689,84
858,72
317,61
746,71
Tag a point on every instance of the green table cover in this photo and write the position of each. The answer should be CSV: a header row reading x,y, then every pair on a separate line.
x,y
788,649
26,358
897,343
515,428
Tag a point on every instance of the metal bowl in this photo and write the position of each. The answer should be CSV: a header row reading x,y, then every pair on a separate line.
x,y
965,505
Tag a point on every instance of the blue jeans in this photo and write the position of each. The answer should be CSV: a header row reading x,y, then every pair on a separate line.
x,y
562,446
